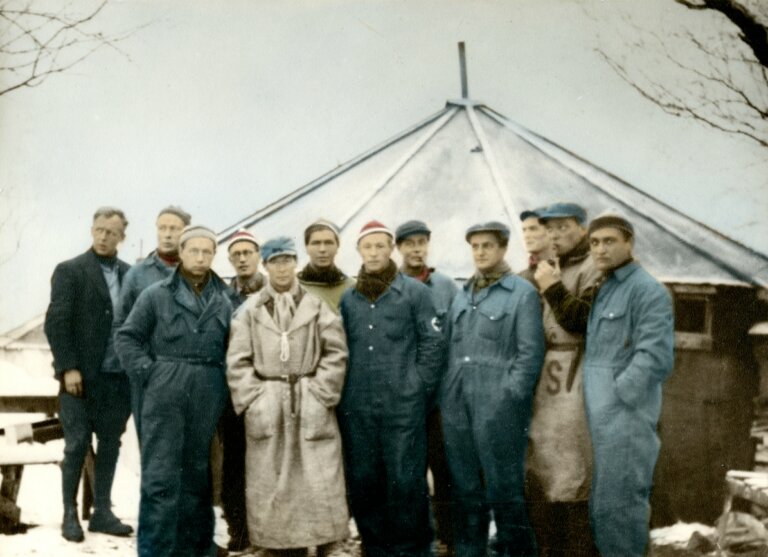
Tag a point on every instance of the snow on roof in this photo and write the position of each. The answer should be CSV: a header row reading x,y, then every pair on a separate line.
x,y
466,164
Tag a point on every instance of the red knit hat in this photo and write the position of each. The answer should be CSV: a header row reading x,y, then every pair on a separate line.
x,y
372,227
243,235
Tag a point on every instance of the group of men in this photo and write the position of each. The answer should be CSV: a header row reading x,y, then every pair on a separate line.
x,y
531,397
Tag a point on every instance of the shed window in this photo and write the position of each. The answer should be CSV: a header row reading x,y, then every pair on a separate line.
x,y
693,317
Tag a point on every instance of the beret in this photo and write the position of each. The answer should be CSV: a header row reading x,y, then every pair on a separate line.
x,y
491,226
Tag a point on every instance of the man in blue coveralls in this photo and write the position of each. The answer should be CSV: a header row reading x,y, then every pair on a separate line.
x,y
495,357
395,356
629,353
173,344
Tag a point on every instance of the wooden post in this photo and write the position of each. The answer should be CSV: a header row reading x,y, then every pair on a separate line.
x,y
463,68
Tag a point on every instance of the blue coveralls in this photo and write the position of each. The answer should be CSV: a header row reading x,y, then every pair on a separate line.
x,y
395,357
143,274
629,353
174,344
495,357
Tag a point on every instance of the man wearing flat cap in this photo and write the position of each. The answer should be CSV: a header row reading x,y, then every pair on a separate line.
x,y
412,239
395,359
495,356
629,353
560,454
173,344
320,276
537,242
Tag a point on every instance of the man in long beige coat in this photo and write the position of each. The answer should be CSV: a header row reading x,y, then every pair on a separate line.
x,y
286,365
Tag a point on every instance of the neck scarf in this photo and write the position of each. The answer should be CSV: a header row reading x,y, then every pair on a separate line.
x,y
170,259
331,275
374,285
486,279
284,309
197,284
252,284
422,274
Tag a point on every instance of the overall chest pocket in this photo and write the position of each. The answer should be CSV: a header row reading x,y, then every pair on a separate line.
x,y
613,325
491,322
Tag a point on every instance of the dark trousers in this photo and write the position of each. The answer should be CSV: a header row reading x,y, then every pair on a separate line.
x,y
103,409
441,478
562,528
180,409
486,438
232,435
385,461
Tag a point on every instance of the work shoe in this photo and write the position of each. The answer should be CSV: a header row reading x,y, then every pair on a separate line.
x,y
106,522
70,526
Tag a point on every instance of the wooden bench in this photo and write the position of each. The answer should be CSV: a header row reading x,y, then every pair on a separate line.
x,y
18,452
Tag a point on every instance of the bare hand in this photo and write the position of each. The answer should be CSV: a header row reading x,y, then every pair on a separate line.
x,y
546,275
73,382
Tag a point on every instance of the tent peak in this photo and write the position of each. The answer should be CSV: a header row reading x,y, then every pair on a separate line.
x,y
464,102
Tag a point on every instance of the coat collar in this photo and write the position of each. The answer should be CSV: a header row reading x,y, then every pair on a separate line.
x,y
306,310
184,296
625,270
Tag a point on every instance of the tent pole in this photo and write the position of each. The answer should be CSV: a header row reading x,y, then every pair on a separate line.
x,y
463,67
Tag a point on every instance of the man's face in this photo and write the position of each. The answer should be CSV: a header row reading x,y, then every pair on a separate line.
x,y
486,251
535,236
282,271
107,233
414,250
244,257
169,229
322,248
375,249
565,234
609,248
197,255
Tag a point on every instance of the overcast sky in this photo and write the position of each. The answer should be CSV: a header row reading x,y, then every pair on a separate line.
x,y
222,107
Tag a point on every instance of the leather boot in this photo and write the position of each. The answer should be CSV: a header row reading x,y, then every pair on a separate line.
x,y
104,521
70,525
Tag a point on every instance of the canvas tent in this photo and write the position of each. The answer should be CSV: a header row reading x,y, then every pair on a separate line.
x,y
466,164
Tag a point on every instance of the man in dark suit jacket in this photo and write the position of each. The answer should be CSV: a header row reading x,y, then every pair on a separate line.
x,y
94,396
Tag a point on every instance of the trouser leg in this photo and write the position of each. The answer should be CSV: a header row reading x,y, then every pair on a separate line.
x,y
232,432
195,525
113,410
438,465
162,443
76,424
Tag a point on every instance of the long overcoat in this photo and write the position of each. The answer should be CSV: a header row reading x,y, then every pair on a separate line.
x,y
295,492
560,452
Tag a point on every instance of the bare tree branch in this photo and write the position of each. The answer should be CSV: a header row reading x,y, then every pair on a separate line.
x,y
37,43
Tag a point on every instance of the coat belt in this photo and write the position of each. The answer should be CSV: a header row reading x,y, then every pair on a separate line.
x,y
188,360
291,379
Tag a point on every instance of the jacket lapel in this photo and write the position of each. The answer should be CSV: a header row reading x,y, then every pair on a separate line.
x,y
96,276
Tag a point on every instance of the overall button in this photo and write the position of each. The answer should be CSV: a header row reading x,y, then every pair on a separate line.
x,y
370,348
467,358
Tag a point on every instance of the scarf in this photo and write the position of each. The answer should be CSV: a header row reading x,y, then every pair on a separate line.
x,y
578,254
373,285
169,259
422,275
252,284
484,280
330,275
197,284
283,310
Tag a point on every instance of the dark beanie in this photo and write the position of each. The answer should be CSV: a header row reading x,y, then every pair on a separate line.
x,y
612,220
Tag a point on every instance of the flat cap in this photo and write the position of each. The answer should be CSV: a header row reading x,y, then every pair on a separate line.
x,y
564,211
491,226
282,245
410,228
528,213
612,219
197,231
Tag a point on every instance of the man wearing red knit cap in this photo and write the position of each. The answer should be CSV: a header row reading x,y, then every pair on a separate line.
x,y
395,357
